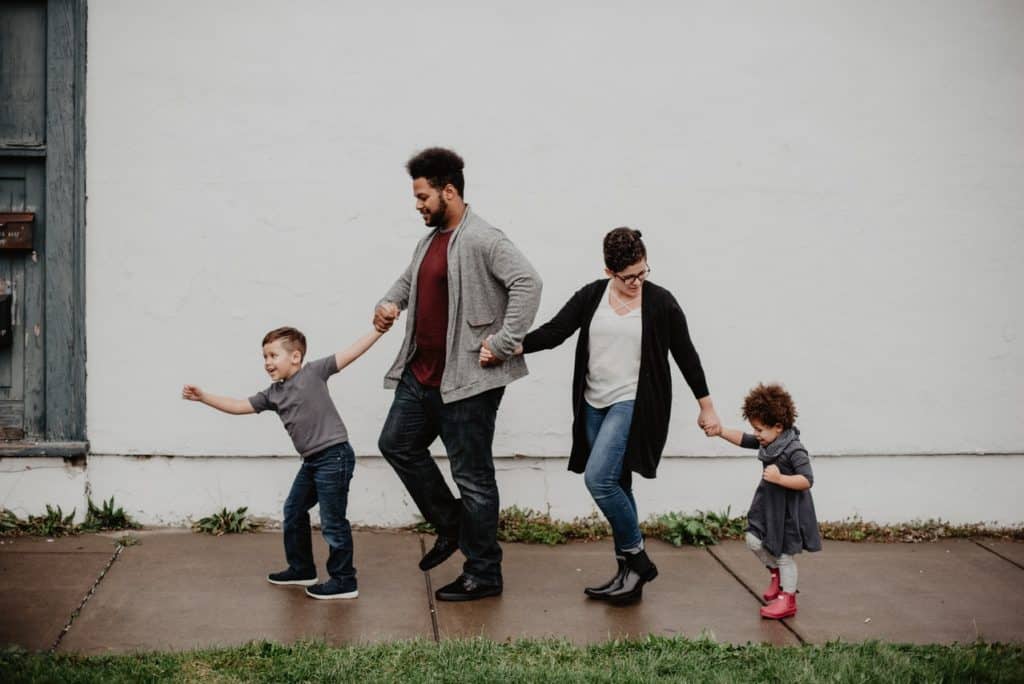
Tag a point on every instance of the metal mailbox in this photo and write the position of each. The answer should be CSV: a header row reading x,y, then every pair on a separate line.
x,y
16,230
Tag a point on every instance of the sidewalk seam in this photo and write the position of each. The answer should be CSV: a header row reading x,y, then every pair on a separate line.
x,y
998,555
88,595
430,597
754,594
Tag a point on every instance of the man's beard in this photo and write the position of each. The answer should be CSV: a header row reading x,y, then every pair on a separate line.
x,y
437,218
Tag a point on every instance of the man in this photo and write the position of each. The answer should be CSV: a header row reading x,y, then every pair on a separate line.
x,y
466,287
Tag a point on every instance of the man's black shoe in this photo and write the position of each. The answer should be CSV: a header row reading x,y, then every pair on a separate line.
x,y
442,550
466,589
289,576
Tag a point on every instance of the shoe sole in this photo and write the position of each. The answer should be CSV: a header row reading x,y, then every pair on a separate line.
x,y
625,600
467,597
778,617
430,566
300,583
327,597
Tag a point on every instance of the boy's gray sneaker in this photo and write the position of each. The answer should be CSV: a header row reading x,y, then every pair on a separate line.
x,y
334,589
290,576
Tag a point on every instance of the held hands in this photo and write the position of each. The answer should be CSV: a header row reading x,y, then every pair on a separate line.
x,y
713,431
384,316
772,474
192,393
709,423
487,357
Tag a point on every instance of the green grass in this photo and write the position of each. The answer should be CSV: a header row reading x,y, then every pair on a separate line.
x,y
653,659
226,522
54,523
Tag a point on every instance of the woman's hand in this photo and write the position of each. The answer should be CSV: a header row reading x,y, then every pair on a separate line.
x,y
487,357
708,418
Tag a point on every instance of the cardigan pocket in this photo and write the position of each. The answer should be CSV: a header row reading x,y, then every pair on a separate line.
x,y
479,329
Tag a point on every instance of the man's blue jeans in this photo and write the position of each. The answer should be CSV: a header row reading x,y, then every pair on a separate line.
x,y
322,478
607,435
466,427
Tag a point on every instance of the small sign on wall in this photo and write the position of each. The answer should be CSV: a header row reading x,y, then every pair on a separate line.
x,y
16,230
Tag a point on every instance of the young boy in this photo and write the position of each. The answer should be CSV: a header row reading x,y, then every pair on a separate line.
x,y
781,521
299,396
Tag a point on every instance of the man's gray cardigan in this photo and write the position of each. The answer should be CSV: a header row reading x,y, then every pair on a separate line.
x,y
492,290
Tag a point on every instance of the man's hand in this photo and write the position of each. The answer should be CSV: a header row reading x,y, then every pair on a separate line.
x,y
772,474
708,421
192,393
487,357
384,316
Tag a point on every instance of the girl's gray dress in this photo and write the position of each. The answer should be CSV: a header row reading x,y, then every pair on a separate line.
x,y
783,519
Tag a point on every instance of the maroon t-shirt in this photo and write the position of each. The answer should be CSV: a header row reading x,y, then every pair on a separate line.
x,y
432,312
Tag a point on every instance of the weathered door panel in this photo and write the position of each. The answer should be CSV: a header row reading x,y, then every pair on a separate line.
x,y
22,73
22,405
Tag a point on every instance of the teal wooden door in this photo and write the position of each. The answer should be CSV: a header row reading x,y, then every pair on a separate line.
x,y
22,386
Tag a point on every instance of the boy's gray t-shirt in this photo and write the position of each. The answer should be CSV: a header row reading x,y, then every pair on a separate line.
x,y
305,407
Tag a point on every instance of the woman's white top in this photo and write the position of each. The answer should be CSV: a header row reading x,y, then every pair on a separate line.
x,y
614,366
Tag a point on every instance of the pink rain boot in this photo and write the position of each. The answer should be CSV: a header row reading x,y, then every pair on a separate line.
x,y
782,607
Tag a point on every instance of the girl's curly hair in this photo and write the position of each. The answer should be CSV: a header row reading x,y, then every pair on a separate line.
x,y
770,405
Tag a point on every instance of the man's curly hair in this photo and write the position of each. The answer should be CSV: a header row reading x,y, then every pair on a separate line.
x,y
623,248
770,405
440,167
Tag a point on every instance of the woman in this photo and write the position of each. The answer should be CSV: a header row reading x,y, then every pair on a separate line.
x,y
622,393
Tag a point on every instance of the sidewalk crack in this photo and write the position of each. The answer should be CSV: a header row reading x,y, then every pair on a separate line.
x,y
88,595
430,597
754,594
996,553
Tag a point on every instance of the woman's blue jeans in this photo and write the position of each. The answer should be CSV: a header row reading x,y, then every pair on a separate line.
x,y
322,478
607,435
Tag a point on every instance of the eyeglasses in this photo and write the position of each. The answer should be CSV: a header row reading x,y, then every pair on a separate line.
x,y
630,279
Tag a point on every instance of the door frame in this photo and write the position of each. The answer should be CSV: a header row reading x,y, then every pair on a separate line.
x,y
63,328
65,211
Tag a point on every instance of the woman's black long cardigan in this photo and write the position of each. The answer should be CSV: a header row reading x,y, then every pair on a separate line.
x,y
664,330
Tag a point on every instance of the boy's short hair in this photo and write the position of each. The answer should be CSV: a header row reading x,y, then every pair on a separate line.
x,y
770,405
623,247
440,167
291,339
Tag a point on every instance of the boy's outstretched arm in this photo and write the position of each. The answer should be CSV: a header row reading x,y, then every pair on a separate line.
x,y
357,348
236,407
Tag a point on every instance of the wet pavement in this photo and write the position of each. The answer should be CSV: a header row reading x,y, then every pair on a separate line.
x,y
176,590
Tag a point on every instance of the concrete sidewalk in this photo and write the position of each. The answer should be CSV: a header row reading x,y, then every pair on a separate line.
x,y
178,590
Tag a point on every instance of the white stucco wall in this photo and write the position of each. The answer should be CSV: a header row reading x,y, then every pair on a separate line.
x,y
832,191
176,490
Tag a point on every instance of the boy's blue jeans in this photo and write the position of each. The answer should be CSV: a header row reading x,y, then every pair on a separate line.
x,y
607,434
466,427
322,478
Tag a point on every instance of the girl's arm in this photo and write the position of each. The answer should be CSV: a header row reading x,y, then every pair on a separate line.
x,y
236,407
794,482
356,349
728,434
802,477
